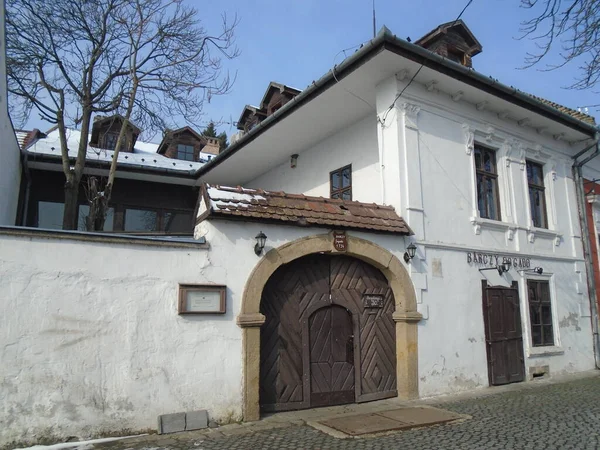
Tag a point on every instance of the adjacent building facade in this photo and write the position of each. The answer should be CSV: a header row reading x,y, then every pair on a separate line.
x,y
10,164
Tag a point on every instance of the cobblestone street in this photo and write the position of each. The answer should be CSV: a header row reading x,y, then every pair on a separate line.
x,y
536,415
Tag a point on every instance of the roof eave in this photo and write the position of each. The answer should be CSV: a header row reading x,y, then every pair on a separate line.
x,y
386,40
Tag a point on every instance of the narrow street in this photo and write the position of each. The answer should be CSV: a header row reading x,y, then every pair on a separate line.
x,y
536,415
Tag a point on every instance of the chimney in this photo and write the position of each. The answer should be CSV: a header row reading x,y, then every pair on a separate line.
x,y
212,146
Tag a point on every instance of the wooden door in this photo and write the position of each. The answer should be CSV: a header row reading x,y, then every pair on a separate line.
x,y
288,293
321,344
351,280
504,338
331,344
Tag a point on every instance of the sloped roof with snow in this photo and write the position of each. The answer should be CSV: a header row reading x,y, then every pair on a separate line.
x,y
144,155
300,210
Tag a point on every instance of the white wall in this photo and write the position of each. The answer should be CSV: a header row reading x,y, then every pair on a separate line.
x,y
91,340
10,166
356,145
429,177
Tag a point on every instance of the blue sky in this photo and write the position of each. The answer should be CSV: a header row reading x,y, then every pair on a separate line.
x,y
296,41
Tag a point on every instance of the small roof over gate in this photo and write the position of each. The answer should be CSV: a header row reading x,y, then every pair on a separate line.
x,y
300,210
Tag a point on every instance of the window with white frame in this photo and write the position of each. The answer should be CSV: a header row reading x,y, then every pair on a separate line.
x,y
537,194
488,198
540,313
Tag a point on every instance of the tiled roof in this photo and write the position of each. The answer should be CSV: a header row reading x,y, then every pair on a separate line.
x,y
300,210
572,112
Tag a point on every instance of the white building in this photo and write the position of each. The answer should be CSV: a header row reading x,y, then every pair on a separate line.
x,y
333,309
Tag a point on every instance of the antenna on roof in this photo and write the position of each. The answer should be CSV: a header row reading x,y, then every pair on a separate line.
x,y
374,25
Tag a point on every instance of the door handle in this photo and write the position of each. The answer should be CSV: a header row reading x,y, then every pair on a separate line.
x,y
350,350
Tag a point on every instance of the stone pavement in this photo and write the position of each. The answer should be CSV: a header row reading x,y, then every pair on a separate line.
x,y
536,415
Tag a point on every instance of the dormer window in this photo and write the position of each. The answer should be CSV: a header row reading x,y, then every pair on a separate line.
x,y
452,40
456,56
110,141
185,152
106,130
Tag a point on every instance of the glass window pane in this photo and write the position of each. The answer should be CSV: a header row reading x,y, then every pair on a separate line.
x,y
185,152
50,215
536,335
546,315
335,195
480,197
534,315
347,195
335,180
140,220
491,199
539,176
487,161
346,177
84,210
478,164
548,336
178,222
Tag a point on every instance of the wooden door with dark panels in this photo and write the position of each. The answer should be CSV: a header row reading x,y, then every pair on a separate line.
x,y
286,296
503,334
320,344
351,280
331,356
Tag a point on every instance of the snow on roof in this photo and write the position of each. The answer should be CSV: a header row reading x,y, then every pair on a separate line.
x,y
144,154
21,137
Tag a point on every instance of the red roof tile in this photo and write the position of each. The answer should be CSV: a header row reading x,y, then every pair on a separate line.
x,y
301,210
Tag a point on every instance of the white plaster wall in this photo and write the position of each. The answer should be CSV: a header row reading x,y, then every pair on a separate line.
x,y
452,352
91,341
356,145
10,165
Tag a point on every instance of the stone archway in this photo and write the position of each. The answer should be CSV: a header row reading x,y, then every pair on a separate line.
x,y
405,315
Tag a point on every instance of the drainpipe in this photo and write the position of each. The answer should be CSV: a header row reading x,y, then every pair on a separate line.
x,y
586,240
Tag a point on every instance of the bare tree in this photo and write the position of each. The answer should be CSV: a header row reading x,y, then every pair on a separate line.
x,y
70,59
573,26
173,67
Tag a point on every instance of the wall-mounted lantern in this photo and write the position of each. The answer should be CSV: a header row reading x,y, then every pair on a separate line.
x,y
504,267
410,252
261,239
294,161
538,270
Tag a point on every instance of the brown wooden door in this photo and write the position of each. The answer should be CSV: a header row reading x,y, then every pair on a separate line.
x,y
320,344
331,336
504,338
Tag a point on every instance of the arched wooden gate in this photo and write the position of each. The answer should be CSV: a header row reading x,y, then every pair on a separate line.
x,y
329,336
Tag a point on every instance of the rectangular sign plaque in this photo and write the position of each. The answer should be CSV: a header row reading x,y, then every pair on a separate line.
x,y
201,299
373,300
340,243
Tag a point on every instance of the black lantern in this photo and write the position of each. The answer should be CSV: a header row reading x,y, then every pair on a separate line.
x,y
504,267
410,252
261,239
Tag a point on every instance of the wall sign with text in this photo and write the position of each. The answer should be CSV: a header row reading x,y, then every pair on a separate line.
x,y
201,299
493,260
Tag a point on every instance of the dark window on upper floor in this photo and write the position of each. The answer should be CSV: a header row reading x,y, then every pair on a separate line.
x,y
110,141
185,152
340,182
540,313
488,198
537,194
